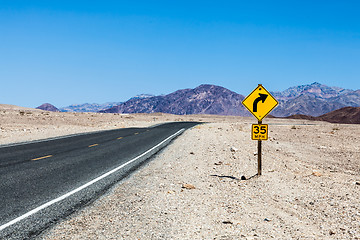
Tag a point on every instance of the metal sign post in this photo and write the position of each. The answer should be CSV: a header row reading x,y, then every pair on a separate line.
x,y
259,154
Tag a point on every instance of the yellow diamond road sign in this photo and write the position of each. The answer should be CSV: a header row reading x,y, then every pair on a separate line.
x,y
260,102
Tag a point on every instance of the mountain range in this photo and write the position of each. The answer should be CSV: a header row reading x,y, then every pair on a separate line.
x,y
205,99
313,100
89,107
96,107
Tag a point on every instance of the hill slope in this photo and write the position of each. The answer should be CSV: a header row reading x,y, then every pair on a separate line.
x,y
349,115
48,107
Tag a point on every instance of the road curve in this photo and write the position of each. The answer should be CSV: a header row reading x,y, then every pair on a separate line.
x,y
44,181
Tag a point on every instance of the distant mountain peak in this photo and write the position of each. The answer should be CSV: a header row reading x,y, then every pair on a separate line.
x,y
317,89
48,107
206,85
314,99
316,84
212,88
143,95
204,99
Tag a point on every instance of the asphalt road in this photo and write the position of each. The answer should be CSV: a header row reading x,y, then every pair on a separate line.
x,y
42,182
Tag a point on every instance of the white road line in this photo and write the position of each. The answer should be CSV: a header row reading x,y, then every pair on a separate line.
x,y
2,227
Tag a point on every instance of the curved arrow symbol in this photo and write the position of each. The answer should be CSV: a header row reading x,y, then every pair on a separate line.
x,y
257,100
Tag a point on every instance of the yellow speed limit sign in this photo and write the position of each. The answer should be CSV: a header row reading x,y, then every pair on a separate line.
x,y
259,132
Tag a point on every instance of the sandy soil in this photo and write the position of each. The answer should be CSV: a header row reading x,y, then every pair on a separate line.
x,y
18,124
193,189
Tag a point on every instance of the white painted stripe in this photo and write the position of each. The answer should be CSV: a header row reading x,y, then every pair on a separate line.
x,y
2,227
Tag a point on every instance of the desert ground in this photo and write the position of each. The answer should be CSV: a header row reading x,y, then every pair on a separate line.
x,y
309,189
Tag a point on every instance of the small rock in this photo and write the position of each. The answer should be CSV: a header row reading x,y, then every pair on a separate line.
x,y
227,222
267,220
357,183
243,178
188,186
331,232
317,174
192,153
233,149
218,163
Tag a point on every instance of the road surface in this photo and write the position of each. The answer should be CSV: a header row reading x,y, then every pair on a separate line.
x,y
44,181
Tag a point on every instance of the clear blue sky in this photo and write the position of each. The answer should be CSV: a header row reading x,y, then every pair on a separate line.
x,y
66,52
